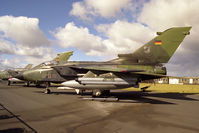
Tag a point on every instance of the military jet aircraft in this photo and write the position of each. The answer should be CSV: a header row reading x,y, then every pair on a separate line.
x,y
125,71
43,73
7,74
128,69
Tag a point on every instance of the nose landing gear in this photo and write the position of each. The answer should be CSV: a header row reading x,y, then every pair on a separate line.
x,y
47,90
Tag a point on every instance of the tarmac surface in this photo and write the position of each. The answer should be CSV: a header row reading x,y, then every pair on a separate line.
x,y
27,109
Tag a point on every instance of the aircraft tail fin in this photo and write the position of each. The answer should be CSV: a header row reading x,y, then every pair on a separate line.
x,y
160,49
63,57
29,66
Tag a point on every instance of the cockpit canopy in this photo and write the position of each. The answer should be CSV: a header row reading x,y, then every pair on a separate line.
x,y
46,63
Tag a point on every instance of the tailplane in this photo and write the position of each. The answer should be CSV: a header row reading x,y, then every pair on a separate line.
x,y
63,57
29,66
160,49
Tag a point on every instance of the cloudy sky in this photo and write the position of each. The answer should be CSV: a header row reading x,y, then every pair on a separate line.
x,y
35,31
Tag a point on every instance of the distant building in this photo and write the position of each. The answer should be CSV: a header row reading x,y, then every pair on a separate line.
x,y
178,80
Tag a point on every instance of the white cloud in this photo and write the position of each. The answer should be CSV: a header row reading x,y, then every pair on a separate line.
x,y
107,8
22,36
164,14
124,37
23,30
104,8
15,62
6,47
78,37
125,33
79,10
119,38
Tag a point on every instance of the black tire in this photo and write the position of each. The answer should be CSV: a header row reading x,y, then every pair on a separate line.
x,y
106,92
47,91
96,93
27,84
9,83
38,85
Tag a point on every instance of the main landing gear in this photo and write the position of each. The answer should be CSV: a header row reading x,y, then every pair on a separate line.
x,y
95,93
47,90
98,93
27,84
9,83
101,95
79,91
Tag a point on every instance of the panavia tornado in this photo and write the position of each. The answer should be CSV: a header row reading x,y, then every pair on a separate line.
x,y
128,70
43,73
8,74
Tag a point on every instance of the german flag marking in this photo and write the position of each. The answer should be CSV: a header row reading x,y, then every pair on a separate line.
x,y
57,59
158,43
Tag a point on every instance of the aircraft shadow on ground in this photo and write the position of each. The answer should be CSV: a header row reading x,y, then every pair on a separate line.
x,y
10,115
13,130
135,96
147,97
58,93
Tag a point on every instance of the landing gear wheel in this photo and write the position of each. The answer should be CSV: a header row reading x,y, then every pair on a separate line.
x,y
9,83
47,91
79,91
106,92
96,93
27,84
38,85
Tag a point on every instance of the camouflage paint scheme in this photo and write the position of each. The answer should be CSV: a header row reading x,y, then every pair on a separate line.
x,y
44,71
143,64
6,74
128,69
